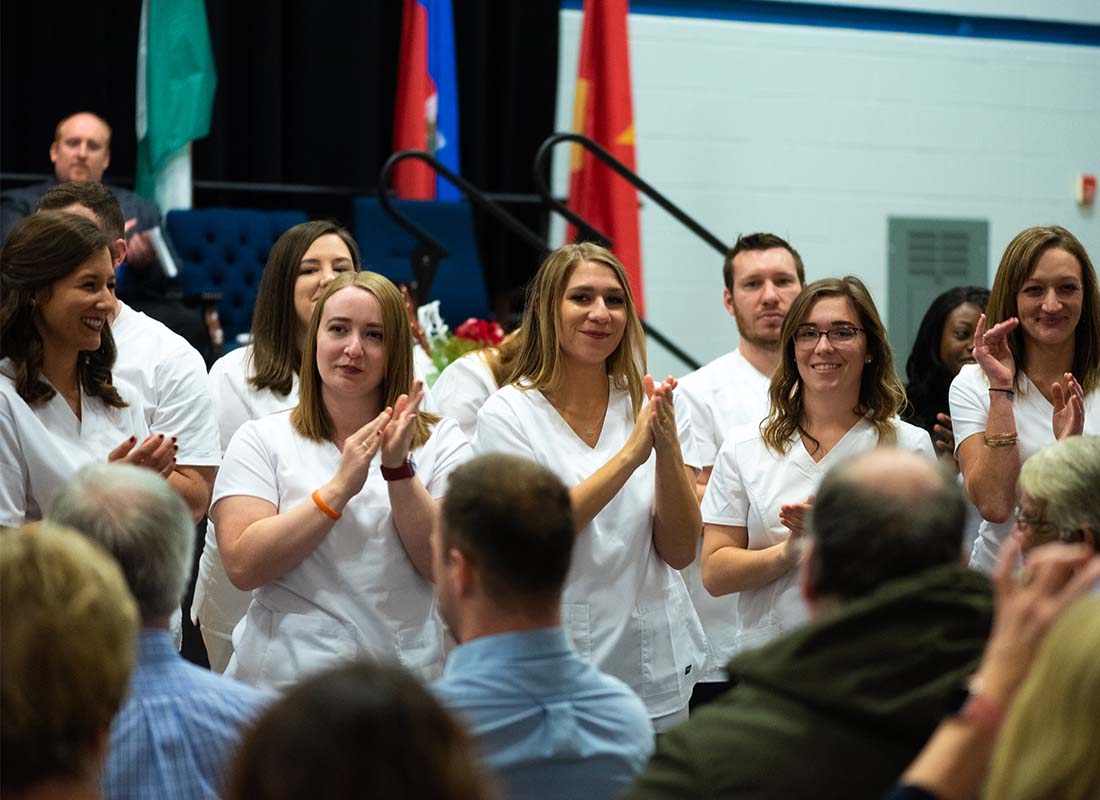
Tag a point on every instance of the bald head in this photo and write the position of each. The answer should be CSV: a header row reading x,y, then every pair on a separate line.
x,y
900,476
882,515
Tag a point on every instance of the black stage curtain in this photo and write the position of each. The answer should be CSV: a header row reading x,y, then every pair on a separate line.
x,y
305,97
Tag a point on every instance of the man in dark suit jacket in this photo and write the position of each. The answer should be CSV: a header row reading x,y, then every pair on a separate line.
x,y
81,151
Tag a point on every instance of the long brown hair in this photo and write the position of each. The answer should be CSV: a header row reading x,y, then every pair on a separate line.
x,y
275,356
309,417
41,250
1017,264
881,396
537,365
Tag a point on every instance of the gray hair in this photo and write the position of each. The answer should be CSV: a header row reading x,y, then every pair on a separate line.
x,y
139,519
1065,476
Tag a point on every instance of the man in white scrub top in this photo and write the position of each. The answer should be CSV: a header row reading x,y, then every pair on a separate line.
x,y
167,372
763,274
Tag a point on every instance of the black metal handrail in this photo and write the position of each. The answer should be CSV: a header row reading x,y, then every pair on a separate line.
x,y
425,260
592,233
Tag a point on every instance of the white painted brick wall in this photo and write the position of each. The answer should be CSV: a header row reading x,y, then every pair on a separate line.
x,y
821,134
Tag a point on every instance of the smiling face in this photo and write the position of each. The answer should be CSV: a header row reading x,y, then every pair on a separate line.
x,y
957,339
1049,302
351,346
826,365
764,284
326,258
73,311
593,314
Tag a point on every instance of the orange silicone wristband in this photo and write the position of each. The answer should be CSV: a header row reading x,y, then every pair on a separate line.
x,y
325,509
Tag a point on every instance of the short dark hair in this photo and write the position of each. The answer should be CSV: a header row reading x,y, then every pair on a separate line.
x,y
759,241
95,197
384,735
864,538
513,519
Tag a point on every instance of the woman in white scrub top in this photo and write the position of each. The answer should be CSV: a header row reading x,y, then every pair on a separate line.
x,y
324,512
59,408
834,394
1037,378
578,404
260,379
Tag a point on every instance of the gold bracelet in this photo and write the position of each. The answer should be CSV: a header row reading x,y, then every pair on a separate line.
x,y
1000,440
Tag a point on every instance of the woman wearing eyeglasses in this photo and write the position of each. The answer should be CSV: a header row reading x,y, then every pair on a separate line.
x,y
834,394
1037,376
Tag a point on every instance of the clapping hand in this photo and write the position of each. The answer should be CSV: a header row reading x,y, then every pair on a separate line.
x,y
992,352
398,435
662,420
157,452
358,452
1069,408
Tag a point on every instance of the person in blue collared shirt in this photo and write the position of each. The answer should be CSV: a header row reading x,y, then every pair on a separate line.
x,y
179,727
546,722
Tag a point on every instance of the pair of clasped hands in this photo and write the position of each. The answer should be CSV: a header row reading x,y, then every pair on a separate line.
x,y
993,355
655,427
390,433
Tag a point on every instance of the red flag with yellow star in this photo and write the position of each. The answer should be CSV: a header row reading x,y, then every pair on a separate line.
x,y
603,111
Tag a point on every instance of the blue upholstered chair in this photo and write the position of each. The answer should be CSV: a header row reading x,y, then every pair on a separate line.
x,y
222,252
386,247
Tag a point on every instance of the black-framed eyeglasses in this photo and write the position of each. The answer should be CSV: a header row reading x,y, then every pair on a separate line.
x,y
808,336
1042,528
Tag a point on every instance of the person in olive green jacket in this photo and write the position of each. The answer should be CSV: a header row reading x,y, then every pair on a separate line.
x,y
839,708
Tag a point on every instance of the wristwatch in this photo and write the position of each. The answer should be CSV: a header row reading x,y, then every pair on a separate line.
x,y
406,470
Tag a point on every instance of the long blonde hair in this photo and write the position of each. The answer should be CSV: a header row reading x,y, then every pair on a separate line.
x,y
1048,748
309,417
537,365
881,395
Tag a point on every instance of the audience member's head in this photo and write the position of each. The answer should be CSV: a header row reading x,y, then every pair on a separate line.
x,y
943,345
139,519
879,516
763,275
360,730
1060,494
94,201
81,148
302,262
67,637
502,544
1048,745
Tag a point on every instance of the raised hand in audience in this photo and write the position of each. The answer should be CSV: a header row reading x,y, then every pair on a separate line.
x,y
1069,408
992,352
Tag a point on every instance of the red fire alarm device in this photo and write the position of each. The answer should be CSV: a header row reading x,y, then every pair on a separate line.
x,y
1086,190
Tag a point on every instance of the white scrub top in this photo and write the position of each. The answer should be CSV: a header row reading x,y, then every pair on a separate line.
x,y
750,484
171,377
623,607
357,594
42,447
969,398
236,401
725,394
218,605
462,388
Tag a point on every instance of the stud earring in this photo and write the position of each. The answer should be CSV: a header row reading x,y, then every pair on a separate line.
x,y
867,360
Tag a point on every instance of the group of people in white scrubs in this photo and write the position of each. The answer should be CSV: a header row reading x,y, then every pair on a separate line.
x,y
318,548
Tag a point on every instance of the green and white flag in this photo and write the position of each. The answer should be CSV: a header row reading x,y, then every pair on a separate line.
x,y
175,97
